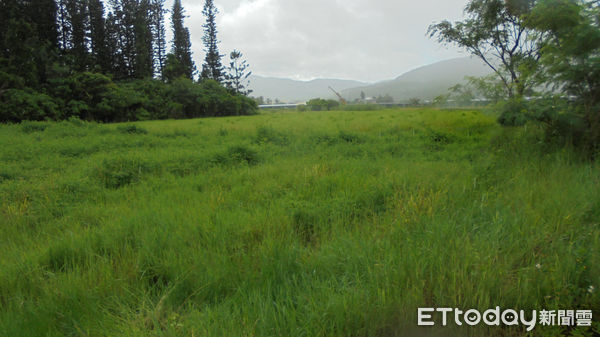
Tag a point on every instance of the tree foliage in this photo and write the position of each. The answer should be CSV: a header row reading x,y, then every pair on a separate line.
x,y
182,47
77,58
237,74
320,104
495,31
571,60
542,44
212,67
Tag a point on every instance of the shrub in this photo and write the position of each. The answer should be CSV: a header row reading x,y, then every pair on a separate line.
x,y
513,112
236,155
319,104
18,105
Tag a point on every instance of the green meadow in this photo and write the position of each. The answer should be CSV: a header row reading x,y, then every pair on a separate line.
x,y
337,223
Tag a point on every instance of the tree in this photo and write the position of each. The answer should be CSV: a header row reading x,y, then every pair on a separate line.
x,y
571,53
384,99
28,39
158,32
237,76
182,47
495,31
78,40
98,39
173,69
571,58
43,13
121,29
212,67
144,64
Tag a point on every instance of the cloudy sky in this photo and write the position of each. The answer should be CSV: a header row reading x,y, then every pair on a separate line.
x,y
367,40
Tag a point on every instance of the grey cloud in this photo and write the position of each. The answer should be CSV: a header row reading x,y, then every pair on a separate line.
x,y
365,40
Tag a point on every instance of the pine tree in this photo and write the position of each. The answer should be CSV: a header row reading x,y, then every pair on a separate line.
x,y
78,39
121,28
43,14
158,35
212,67
98,38
144,64
181,41
237,77
114,39
19,47
64,26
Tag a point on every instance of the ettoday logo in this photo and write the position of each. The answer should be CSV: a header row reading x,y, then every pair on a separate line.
x,y
507,317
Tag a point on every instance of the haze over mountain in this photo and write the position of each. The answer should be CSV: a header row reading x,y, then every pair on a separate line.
x,y
292,91
424,83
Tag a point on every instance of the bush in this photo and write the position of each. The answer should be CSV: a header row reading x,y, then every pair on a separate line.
x,y
513,112
18,105
319,104
236,155
93,96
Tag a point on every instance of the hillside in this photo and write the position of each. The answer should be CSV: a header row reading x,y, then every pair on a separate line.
x,y
425,82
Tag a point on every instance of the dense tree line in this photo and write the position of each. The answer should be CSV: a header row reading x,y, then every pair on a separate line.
x,y
546,58
105,61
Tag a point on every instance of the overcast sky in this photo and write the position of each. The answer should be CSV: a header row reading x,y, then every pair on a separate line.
x,y
367,40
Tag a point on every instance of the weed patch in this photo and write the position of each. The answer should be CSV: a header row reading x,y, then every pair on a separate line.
x,y
119,172
7,175
304,222
30,127
132,129
349,137
64,256
78,150
236,155
266,134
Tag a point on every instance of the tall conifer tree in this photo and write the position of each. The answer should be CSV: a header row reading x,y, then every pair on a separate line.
x,y
182,47
159,43
144,64
98,38
212,67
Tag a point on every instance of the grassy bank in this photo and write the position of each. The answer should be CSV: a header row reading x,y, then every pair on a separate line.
x,y
290,224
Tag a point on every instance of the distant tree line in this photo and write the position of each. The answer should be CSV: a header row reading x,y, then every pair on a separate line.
x,y
110,62
545,55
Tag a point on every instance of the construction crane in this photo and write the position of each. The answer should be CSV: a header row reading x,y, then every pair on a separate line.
x,y
342,100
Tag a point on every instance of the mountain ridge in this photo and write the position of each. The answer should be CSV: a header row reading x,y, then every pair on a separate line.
x,y
424,83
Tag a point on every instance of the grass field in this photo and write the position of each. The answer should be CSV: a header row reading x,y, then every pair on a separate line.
x,y
291,224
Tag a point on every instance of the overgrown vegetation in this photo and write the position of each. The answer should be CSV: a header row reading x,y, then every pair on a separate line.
x,y
63,59
540,51
330,223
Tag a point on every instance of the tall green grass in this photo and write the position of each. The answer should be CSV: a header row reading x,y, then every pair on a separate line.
x,y
291,224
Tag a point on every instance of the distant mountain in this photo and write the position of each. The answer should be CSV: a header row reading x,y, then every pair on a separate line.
x,y
425,82
291,91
